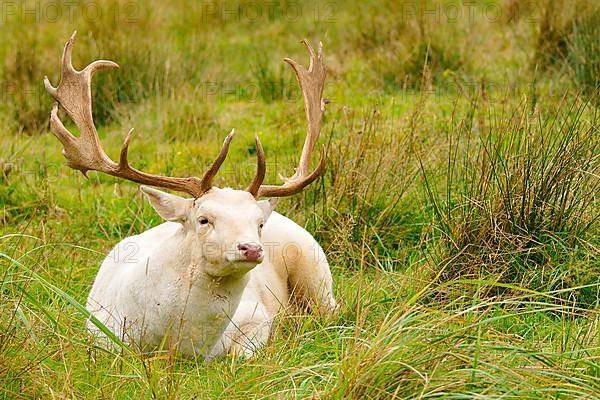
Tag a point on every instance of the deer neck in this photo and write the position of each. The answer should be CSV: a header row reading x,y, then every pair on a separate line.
x,y
214,293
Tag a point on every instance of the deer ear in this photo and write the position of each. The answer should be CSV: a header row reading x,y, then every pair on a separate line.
x,y
169,206
267,206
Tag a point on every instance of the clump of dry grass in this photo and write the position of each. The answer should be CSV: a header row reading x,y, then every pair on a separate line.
x,y
520,198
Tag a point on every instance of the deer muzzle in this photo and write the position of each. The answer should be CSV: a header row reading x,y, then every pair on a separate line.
x,y
251,251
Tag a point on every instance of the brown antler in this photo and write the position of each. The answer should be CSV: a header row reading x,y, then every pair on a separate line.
x,y
261,169
85,153
311,83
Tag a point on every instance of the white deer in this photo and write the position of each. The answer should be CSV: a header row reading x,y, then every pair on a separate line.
x,y
213,277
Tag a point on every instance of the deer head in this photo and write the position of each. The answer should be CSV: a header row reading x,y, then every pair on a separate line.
x,y
225,224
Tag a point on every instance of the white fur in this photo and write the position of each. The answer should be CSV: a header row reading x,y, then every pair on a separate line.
x,y
184,285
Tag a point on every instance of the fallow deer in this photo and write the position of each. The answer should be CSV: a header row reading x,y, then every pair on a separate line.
x,y
204,282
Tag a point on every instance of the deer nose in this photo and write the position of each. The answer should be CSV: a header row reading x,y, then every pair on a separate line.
x,y
251,251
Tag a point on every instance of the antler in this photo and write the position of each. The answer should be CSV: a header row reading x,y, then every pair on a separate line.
x,y
261,169
311,83
85,153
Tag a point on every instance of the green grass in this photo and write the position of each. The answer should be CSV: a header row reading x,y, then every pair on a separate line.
x,y
459,209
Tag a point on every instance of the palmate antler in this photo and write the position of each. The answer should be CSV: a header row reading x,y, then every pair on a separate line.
x,y
311,83
85,153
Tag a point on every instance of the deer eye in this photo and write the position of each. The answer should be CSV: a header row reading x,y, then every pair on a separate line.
x,y
203,221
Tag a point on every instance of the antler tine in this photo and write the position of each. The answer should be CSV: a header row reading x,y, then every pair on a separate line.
x,y
261,169
67,62
85,152
206,182
311,83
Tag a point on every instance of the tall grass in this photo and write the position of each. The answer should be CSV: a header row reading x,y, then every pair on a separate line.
x,y
521,346
584,59
568,40
519,196
371,171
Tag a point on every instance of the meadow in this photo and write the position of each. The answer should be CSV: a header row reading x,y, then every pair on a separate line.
x,y
459,208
